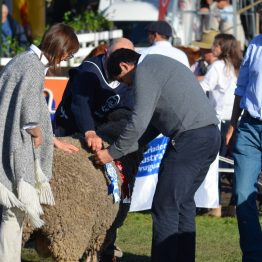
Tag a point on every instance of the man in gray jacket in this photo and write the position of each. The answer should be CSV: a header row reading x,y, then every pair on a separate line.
x,y
168,100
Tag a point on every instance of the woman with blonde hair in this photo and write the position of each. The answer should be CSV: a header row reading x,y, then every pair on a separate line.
x,y
26,137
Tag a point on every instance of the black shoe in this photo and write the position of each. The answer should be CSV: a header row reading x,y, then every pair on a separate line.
x,y
108,258
111,255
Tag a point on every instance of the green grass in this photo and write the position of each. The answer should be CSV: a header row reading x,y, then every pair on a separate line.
x,y
217,240
134,238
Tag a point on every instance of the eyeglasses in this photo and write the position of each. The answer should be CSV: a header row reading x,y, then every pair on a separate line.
x,y
68,57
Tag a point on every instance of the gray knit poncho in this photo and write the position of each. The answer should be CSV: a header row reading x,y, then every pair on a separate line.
x,y
22,103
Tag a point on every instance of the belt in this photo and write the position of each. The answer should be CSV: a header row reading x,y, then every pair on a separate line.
x,y
246,114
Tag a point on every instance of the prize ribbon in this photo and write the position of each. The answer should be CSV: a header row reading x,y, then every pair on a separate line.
x,y
111,174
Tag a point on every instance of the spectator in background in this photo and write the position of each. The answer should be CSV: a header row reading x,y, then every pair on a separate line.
x,y
204,17
12,30
192,53
207,57
220,80
220,17
220,83
223,16
247,150
101,49
158,36
208,195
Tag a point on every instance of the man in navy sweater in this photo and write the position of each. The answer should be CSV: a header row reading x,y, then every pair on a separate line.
x,y
90,97
99,109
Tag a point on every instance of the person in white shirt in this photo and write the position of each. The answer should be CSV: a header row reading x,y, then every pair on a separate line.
x,y
222,15
200,67
159,33
220,80
220,83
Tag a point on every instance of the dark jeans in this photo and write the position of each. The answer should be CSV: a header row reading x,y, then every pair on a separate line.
x,y
183,169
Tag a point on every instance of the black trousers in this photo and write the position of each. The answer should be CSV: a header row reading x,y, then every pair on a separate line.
x,y
183,169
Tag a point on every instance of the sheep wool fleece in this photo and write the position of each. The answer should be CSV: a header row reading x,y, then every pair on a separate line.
x,y
22,104
84,215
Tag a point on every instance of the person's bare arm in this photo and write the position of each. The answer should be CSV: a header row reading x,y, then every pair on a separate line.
x,y
236,112
36,135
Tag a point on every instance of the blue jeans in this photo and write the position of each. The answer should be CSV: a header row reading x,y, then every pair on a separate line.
x,y
248,157
183,169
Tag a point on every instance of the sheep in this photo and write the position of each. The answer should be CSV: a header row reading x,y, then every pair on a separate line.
x,y
81,220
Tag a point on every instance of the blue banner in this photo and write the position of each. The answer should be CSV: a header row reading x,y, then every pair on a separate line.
x,y
152,157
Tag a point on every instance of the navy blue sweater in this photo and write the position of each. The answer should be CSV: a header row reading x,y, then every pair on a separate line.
x,y
88,98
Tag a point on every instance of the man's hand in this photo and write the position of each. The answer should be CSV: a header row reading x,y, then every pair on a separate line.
x,y
93,141
64,146
102,157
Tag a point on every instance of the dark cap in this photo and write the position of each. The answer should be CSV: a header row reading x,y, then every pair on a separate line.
x,y
160,27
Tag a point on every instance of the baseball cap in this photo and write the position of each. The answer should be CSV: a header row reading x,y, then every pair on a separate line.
x,y
160,27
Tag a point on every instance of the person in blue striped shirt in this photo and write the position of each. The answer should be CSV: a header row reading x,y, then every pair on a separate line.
x,y
247,149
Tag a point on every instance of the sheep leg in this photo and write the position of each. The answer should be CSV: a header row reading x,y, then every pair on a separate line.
x,y
42,245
